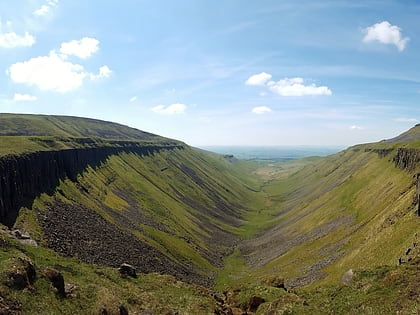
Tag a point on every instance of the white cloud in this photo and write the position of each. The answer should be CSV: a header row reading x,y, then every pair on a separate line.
x,y
45,8
287,86
404,119
355,127
12,40
133,99
83,48
53,73
170,110
261,110
48,73
296,87
24,97
385,33
258,79
104,72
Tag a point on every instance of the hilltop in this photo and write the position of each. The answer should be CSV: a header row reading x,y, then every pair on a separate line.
x,y
206,233
410,135
68,126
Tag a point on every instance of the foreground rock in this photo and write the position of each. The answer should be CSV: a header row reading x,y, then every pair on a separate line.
x,y
127,270
20,273
57,280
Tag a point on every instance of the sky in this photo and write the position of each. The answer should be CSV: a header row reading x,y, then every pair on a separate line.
x,y
219,72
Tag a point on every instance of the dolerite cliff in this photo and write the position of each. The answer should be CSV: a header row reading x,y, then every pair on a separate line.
x,y
407,158
25,176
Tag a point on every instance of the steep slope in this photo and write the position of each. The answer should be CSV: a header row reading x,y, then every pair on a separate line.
x,y
262,231
156,204
356,209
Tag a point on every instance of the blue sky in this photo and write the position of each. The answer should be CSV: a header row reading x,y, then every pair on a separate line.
x,y
228,72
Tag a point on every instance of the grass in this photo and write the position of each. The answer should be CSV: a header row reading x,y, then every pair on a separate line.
x,y
184,197
99,287
69,127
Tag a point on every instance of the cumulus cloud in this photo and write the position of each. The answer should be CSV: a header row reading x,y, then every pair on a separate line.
x,y
261,110
12,40
83,48
297,87
104,72
48,73
170,110
287,86
355,127
258,79
45,8
54,72
385,33
133,99
405,119
24,97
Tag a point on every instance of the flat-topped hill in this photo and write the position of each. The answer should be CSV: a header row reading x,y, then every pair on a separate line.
x,y
68,126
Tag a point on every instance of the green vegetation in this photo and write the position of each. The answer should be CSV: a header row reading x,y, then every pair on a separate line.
x,y
253,228
97,288
68,127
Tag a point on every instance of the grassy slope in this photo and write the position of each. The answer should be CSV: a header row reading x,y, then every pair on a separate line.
x,y
67,126
186,207
97,288
356,184
376,196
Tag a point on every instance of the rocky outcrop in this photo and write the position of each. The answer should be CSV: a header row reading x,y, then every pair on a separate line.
x,y
407,159
24,177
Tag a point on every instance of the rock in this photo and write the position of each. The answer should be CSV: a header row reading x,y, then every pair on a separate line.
x,y
123,310
254,302
347,277
69,288
23,238
275,281
219,297
57,280
127,270
21,273
21,235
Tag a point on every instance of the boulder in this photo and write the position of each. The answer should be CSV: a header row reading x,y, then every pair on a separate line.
x,y
275,281
21,273
57,280
123,310
254,302
347,277
127,270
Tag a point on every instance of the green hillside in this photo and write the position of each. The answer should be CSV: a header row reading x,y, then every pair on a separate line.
x,y
67,126
222,233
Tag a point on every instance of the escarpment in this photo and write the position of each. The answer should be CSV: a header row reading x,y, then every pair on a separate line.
x,y
24,177
407,159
